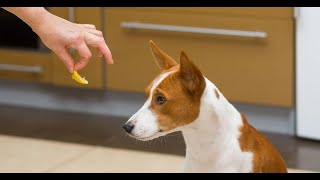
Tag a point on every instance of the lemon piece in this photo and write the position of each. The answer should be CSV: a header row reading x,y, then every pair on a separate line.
x,y
75,76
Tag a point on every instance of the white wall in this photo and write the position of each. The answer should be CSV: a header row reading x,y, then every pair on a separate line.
x,y
308,72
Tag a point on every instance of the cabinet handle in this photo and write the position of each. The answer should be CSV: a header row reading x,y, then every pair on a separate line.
x,y
20,68
160,27
71,14
71,18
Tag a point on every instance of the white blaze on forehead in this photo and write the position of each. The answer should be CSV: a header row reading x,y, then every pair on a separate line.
x,y
145,121
158,81
154,86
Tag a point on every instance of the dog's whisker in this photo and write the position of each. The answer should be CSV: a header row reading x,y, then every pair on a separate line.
x,y
172,135
165,141
154,144
160,140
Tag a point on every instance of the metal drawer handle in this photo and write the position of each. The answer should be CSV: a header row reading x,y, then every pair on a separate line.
x,y
20,68
160,27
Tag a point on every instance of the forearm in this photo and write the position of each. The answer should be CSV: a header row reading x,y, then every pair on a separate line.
x,y
33,16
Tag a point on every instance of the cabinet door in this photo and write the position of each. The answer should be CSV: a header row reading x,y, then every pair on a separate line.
x,y
25,65
93,72
246,69
251,12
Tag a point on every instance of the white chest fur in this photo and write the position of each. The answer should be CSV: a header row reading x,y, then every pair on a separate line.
x,y
212,139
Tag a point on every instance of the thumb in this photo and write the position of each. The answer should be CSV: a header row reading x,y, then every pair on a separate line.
x,y
66,59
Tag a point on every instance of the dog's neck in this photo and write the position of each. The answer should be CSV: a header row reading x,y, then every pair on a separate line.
x,y
213,136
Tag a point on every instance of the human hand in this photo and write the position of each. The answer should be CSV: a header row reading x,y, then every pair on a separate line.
x,y
59,34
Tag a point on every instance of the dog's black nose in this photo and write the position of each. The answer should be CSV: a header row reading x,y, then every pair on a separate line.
x,y
128,127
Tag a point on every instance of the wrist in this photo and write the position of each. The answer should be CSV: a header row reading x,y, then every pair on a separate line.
x,y
40,17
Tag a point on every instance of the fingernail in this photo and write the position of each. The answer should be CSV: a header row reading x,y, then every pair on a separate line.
x,y
111,59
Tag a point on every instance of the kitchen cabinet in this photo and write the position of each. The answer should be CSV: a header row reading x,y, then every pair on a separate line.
x,y
22,56
25,65
247,52
249,55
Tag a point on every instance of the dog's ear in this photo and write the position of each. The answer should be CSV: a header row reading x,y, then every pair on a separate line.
x,y
163,60
191,77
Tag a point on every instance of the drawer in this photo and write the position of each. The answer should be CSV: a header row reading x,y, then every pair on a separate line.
x,y
25,65
246,69
251,12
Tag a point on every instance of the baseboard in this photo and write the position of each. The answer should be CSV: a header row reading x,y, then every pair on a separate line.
x,y
122,104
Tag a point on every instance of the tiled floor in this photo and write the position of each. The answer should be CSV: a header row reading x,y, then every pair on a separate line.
x,y
33,140
19,154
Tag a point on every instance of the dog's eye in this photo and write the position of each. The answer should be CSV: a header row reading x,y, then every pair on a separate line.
x,y
160,100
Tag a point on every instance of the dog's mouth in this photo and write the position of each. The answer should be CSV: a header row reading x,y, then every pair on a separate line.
x,y
143,138
159,133
148,138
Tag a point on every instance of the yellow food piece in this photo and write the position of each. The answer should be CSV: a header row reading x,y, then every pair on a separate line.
x,y
75,76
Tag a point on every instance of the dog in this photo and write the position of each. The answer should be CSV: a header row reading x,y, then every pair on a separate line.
x,y
218,138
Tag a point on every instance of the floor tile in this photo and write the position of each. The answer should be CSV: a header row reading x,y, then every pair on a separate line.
x,y
126,161
18,154
87,130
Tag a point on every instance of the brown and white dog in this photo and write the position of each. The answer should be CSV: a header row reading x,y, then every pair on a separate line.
x,y
218,138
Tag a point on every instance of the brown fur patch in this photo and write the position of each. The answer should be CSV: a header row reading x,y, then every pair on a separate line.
x,y
181,89
217,93
174,68
266,159
180,107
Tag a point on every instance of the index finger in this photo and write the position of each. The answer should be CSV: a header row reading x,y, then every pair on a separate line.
x,y
99,42
106,52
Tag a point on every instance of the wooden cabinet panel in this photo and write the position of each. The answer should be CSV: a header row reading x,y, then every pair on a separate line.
x,y
250,12
246,69
25,65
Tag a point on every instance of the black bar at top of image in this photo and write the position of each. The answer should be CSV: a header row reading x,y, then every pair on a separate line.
x,y
157,3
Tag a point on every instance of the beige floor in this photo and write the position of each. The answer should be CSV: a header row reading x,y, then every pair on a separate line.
x,y
19,154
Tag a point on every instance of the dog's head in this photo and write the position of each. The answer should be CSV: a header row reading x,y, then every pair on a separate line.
x,y
173,98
